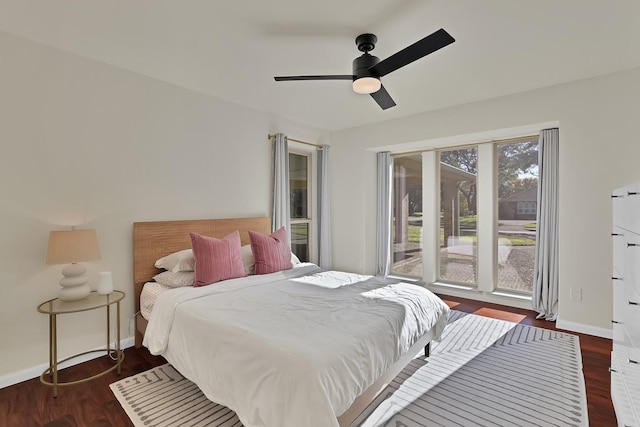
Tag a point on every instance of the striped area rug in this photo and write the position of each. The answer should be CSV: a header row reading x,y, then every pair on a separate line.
x,y
487,372
162,397
484,372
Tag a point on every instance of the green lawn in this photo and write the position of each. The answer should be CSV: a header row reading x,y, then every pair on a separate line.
x,y
468,221
301,229
415,236
517,241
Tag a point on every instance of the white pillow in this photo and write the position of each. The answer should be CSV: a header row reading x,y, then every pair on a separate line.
x,y
294,260
177,261
247,260
175,280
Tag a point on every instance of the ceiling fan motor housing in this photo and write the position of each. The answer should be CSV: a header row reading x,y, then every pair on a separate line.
x,y
362,64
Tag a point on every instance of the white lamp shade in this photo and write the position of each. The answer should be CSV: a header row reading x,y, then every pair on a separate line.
x,y
366,85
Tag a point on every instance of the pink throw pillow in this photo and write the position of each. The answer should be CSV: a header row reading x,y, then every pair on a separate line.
x,y
216,259
270,253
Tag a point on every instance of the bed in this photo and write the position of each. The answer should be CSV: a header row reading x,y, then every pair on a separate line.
x,y
300,347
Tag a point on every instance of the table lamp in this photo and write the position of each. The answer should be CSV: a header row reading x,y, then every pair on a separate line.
x,y
73,246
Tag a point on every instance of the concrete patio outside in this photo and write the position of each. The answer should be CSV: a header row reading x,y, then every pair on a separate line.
x,y
458,264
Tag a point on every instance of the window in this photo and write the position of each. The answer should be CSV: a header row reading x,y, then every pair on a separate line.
x,y
465,217
517,186
527,208
299,192
457,256
406,251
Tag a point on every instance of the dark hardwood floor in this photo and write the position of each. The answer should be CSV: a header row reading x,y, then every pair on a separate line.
x,y
92,404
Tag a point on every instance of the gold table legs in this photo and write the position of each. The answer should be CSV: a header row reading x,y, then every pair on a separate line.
x,y
52,370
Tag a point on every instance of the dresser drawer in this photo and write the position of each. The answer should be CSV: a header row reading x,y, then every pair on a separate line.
x,y
624,353
626,207
630,367
631,273
620,204
620,396
631,316
621,340
632,208
619,319
619,242
628,361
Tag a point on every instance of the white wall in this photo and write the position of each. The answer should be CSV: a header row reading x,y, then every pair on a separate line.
x,y
88,144
599,151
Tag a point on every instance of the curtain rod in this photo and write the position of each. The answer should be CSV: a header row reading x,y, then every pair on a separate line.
x,y
269,136
461,147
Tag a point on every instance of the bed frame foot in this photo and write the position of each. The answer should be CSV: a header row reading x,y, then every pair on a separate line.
x,y
427,350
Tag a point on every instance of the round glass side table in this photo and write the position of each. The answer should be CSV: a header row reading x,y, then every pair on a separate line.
x,y
94,301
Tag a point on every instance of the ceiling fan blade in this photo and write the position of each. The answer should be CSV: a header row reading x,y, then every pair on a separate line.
x,y
419,49
329,77
383,98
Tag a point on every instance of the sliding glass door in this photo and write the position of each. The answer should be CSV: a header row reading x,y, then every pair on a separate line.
x,y
406,229
458,253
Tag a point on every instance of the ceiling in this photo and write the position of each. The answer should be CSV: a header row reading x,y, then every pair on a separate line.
x,y
231,49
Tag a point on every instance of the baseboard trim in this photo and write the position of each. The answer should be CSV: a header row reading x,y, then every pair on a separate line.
x,y
34,372
512,301
581,328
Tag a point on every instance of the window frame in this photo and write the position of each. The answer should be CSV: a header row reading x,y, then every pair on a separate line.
x,y
487,211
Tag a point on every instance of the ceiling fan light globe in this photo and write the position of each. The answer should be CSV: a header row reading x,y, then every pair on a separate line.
x,y
366,85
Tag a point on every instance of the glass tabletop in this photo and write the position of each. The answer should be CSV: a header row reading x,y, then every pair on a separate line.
x,y
94,300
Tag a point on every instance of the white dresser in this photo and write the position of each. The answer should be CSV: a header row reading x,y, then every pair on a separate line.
x,y
625,358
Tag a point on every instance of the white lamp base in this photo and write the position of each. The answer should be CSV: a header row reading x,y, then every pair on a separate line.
x,y
74,283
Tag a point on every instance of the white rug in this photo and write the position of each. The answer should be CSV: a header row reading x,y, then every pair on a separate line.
x,y
484,372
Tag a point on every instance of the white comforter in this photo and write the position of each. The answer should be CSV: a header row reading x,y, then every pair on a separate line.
x,y
293,348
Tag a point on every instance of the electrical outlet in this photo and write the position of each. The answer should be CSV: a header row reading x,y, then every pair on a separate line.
x,y
575,294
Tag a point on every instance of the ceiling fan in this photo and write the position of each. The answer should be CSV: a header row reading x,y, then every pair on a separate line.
x,y
367,69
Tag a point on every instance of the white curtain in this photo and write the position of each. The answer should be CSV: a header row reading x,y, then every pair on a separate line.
x,y
545,273
281,215
324,223
383,214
